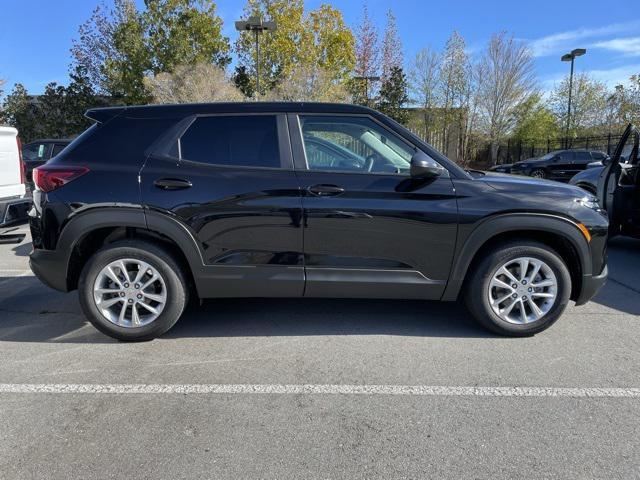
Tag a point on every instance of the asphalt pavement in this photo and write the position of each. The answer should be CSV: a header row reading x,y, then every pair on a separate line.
x,y
319,389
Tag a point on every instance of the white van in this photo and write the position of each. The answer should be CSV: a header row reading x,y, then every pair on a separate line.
x,y
14,204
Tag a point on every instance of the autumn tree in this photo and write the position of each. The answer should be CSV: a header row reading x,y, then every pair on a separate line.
x,y
391,47
19,112
318,37
203,82
506,79
455,88
309,83
423,83
367,59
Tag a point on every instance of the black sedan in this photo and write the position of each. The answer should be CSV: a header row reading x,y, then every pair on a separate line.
x,y
558,165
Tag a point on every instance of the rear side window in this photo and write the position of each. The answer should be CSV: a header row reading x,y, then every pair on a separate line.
x,y
247,141
57,148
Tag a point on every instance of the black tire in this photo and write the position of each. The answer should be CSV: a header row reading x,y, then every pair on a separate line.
x,y
165,265
538,173
477,286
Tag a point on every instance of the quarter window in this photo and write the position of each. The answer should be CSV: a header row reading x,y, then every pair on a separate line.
x,y
353,144
249,141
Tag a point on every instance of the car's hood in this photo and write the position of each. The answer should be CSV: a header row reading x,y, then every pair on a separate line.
x,y
504,182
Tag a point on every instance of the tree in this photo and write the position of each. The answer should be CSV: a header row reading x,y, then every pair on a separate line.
x,y
242,81
393,96
367,58
203,82
19,112
184,32
506,79
588,100
455,90
119,46
391,47
533,121
320,36
423,83
308,83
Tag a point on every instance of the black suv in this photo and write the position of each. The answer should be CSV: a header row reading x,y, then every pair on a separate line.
x,y
154,204
559,165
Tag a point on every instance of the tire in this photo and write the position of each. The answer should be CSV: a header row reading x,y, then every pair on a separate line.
x,y
479,288
170,287
538,173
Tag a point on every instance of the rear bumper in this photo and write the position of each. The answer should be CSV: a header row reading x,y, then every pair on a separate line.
x,y
14,211
590,286
50,268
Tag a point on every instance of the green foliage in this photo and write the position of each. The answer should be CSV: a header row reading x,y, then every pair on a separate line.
x,y
118,47
534,122
58,113
393,96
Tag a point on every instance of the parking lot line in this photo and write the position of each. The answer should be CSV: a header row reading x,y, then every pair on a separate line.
x,y
306,389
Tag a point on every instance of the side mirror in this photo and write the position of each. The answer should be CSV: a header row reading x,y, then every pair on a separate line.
x,y
606,160
424,167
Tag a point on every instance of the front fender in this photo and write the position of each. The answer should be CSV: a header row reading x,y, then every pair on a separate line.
x,y
467,248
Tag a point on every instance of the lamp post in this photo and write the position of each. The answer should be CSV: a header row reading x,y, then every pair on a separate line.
x,y
256,25
366,79
570,57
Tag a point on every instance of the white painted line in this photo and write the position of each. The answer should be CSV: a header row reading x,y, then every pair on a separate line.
x,y
410,390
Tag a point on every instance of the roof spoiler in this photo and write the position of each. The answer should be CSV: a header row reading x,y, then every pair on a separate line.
x,y
102,115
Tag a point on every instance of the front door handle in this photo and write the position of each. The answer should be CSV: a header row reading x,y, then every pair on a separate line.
x,y
324,190
172,183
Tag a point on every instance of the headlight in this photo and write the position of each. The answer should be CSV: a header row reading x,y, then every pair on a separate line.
x,y
589,202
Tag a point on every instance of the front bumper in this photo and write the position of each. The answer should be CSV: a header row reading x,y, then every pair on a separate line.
x,y
590,286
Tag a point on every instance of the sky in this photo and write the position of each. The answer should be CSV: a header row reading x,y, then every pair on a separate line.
x,y
36,35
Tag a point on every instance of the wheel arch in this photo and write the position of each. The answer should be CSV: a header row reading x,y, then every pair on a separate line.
x,y
559,233
87,232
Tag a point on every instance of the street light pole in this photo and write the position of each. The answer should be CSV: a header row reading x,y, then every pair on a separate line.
x,y
571,56
256,25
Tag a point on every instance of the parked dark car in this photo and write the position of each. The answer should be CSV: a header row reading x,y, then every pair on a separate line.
x,y
617,185
501,168
156,204
38,152
559,165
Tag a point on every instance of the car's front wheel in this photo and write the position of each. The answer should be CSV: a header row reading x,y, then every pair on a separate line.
x,y
132,290
518,288
538,173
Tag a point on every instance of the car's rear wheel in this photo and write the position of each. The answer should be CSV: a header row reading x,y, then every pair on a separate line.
x,y
132,290
518,288
538,173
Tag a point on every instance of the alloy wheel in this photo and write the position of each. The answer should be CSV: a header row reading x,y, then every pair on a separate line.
x,y
130,293
522,290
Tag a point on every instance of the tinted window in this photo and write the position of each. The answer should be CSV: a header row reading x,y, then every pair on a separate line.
x,y
583,157
57,148
566,156
250,141
597,155
34,152
356,144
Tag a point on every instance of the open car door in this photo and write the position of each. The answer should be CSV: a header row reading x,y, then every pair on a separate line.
x,y
619,186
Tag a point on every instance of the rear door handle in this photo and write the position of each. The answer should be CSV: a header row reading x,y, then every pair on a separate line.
x,y
323,190
172,183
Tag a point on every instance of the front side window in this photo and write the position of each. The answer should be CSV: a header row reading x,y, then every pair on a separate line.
x,y
353,144
57,148
583,157
566,156
248,141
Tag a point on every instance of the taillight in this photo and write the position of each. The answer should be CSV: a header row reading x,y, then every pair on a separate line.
x,y
23,175
49,177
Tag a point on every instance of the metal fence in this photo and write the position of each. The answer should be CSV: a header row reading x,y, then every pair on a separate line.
x,y
514,151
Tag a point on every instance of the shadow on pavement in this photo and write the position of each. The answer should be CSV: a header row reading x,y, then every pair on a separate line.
x,y
31,312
